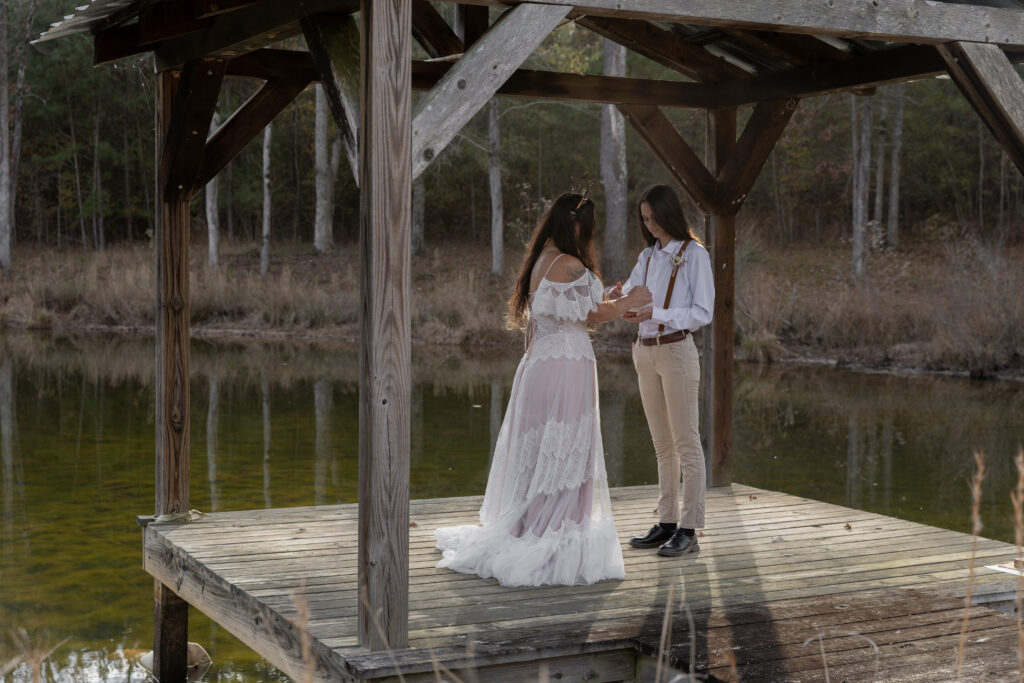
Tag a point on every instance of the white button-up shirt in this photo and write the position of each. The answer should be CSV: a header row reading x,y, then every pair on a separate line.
x,y
693,296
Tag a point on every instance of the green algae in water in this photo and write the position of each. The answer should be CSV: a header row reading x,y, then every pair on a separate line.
x,y
77,462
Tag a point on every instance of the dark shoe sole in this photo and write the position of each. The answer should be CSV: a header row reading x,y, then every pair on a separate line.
x,y
646,546
691,550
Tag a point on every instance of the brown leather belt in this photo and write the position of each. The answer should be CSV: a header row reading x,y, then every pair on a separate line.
x,y
679,335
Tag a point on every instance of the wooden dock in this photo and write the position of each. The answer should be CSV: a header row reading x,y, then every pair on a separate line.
x,y
783,585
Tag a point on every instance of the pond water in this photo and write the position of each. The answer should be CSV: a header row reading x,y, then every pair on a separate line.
x,y
275,425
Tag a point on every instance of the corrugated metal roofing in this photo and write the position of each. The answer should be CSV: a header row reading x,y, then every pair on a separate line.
x,y
86,17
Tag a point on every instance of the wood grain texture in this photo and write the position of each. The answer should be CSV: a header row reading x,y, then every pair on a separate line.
x,y
911,21
673,151
245,124
721,147
185,140
774,570
992,85
170,618
333,42
477,76
385,222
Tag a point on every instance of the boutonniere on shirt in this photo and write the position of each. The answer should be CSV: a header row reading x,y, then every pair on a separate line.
x,y
678,259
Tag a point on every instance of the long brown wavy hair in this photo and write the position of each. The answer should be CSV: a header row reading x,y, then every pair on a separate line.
x,y
558,225
668,213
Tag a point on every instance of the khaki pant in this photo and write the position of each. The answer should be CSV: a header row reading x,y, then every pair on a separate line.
x,y
669,377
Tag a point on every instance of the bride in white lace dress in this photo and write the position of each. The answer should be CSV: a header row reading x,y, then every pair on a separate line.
x,y
546,516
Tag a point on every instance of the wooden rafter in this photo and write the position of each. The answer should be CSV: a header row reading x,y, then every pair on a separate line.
x,y
270,64
477,76
245,124
334,44
664,47
744,164
471,22
994,88
583,88
798,50
117,43
194,103
169,19
433,32
244,30
674,152
911,21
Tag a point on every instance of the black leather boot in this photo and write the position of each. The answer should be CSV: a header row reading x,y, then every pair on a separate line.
x,y
681,543
655,537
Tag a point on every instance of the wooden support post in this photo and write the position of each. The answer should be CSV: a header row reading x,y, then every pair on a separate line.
x,y
721,141
471,23
385,222
988,80
170,628
334,43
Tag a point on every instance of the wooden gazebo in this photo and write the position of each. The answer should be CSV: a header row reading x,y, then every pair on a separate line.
x,y
732,53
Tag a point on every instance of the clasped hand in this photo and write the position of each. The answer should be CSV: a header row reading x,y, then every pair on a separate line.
x,y
638,297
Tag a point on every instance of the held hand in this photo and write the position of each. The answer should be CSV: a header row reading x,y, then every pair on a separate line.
x,y
639,316
638,297
613,293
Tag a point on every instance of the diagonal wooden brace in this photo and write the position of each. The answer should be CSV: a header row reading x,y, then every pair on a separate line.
x,y
988,80
469,84
745,161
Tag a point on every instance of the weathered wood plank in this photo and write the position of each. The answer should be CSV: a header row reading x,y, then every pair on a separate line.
x,y
721,145
477,76
994,88
117,43
673,151
744,164
333,42
910,21
170,619
664,47
245,124
385,216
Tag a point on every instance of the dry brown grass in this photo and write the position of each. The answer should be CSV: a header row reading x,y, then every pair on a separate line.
x,y
959,305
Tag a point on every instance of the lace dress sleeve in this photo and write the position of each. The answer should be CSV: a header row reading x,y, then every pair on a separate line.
x,y
569,300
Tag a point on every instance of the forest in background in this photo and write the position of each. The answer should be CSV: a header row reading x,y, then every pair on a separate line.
x,y
82,167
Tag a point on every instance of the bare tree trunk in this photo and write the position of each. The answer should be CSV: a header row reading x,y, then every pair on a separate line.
x,y
231,204
265,248
212,212
497,206
472,207
78,178
418,208
20,58
323,402
613,169
98,233
212,425
326,171
126,160
981,173
1002,194
861,170
6,197
893,230
879,134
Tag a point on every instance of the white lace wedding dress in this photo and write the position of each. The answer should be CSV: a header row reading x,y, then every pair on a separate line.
x,y
546,516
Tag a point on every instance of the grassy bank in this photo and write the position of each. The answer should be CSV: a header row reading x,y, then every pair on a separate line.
x,y
949,306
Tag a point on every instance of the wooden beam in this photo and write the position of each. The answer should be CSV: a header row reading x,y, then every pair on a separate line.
x,y
744,164
117,43
334,43
477,76
170,636
584,88
721,146
433,32
385,226
210,8
471,22
245,124
994,88
244,30
664,47
910,21
673,151
183,145
169,19
268,65
798,50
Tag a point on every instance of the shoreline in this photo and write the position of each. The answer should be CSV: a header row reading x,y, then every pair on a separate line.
x,y
801,357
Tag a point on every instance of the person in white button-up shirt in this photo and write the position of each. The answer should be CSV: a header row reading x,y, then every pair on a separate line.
x,y
677,270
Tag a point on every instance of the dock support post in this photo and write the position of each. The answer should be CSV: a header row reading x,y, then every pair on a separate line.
x,y
170,628
385,223
718,355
